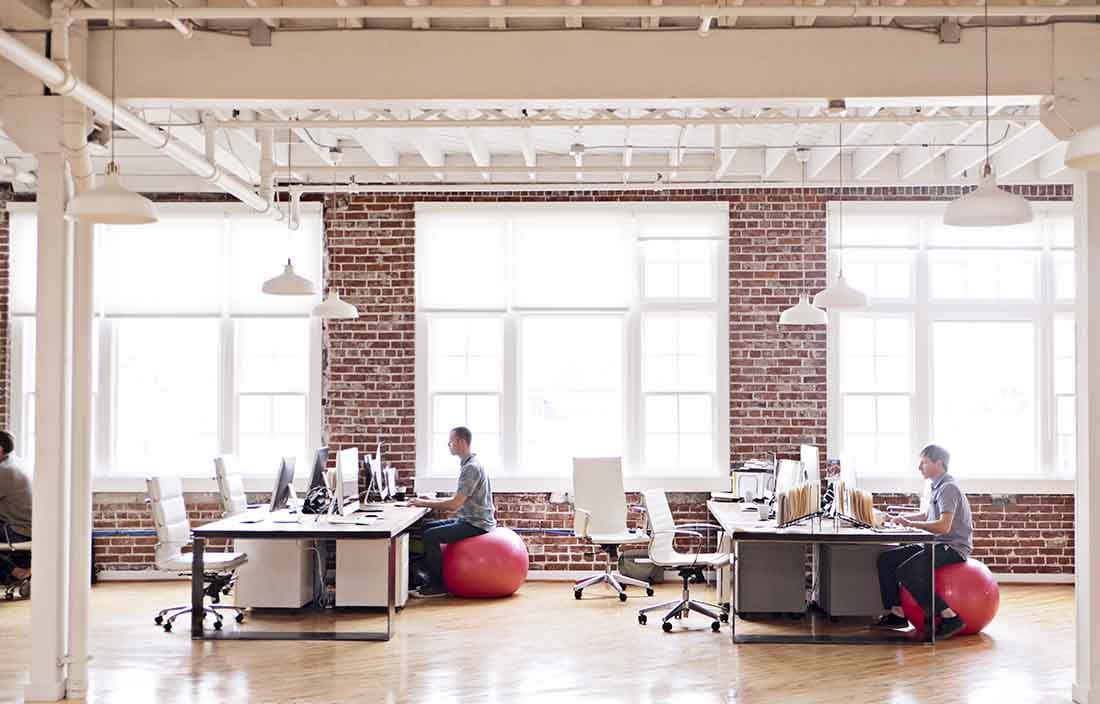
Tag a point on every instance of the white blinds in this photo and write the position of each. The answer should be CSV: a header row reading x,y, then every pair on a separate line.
x,y
197,260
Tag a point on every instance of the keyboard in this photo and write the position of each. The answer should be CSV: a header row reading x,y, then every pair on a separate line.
x,y
352,520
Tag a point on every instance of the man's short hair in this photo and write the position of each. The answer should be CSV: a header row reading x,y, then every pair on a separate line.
x,y
463,433
7,442
936,454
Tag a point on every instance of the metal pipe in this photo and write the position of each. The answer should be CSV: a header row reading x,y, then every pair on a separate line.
x,y
503,169
63,82
167,14
703,120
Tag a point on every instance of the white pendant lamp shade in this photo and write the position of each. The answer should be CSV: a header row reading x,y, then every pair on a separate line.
x,y
335,308
1084,150
802,313
988,206
289,284
111,203
840,296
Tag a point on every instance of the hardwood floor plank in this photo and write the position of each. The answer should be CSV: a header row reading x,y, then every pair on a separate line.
x,y
543,646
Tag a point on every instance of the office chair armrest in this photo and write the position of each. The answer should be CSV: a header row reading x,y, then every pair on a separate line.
x,y
708,527
581,519
678,531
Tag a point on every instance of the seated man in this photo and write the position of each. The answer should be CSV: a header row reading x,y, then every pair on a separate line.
x,y
473,501
948,517
15,502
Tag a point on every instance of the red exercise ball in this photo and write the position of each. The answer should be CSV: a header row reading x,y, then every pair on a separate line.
x,y
969,588
493,564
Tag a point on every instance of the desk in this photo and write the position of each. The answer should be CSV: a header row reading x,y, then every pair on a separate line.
x,y
731,518
394,521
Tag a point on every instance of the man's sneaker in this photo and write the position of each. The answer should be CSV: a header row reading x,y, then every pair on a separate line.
x,y
949,627
890,622
428,591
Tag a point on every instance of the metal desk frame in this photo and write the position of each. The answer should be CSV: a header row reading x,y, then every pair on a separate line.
x,y
389,528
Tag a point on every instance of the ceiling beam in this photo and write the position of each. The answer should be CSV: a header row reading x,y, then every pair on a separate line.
x,y
726,139
309,139
1033,144
353,22
429,151
807,21
1053,163
913,159
269,21
822,155
971,152
778,147
479,151
498,22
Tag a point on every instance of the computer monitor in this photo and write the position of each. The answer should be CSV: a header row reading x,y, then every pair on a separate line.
x,y
317,477
346,485
811,460
284,485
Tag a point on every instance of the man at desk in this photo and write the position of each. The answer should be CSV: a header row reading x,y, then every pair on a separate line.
x,y
948,517
473,503
15,504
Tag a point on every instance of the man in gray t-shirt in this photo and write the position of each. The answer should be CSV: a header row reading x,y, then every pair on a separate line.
x,y
948,518
15,505
473,506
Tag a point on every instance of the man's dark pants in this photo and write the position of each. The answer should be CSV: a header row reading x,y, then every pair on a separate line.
x,y
908,565
436,533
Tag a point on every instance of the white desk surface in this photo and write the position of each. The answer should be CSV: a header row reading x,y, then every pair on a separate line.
x,y
746,525
393,521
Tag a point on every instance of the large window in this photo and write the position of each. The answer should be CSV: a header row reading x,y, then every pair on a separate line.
x,y
192,359
565,331
968,343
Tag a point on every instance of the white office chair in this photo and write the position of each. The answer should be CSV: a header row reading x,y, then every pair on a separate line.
x,y
230,485
599,515
173,533
9,549
663,553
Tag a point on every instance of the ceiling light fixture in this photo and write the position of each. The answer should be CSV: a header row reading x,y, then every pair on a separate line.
x,y
289,283
335,308
840,296
109,202
987,205
802,313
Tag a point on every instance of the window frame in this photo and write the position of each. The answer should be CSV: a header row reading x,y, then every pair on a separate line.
x,y
925,312
105,478
507,477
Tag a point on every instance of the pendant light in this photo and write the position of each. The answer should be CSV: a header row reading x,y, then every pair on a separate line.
x,y
987,205
335,308
109,202
1084,150
840,296
289,283
802,313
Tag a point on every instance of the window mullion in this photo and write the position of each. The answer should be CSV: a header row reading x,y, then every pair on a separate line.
x,y
921,416
227,387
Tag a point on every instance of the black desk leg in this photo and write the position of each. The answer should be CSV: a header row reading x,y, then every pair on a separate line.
x,y
931,635
391,589
197,571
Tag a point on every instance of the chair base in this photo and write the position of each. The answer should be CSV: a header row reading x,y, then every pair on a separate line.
x,y
20,588
683,606
617,581
166,617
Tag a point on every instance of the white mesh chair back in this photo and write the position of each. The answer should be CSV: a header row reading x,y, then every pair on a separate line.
x,y
170,520
598,489
662,525
230,485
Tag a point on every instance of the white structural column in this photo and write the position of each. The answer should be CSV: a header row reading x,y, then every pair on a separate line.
x,y
50,605
1086,201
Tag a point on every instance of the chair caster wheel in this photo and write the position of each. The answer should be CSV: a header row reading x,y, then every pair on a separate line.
x,y
240,618
158,620
218,625
649,591
576,593
168,627
715,626
641,619
666,627
622,596
725,617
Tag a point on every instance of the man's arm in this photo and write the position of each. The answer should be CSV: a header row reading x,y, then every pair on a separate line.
x,y
452,504
937,527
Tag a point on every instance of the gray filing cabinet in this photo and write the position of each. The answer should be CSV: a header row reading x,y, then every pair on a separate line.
x,y
771,578
848,579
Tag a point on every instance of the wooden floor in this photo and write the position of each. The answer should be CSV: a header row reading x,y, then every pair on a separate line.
x,y
543,646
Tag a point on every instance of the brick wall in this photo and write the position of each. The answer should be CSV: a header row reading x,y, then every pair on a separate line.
x,y
777,377
5,288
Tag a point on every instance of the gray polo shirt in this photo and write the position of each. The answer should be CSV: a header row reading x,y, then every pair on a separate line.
x,y
474,483
15,497
947,497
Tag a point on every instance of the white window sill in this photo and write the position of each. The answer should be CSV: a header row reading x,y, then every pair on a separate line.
x,y
971,485
503,485
191,485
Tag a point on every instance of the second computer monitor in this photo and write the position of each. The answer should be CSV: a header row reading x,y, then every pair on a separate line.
x,y
284,485
320,459
347,477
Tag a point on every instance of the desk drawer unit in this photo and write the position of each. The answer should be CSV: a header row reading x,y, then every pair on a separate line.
x,y
848,579
361,572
